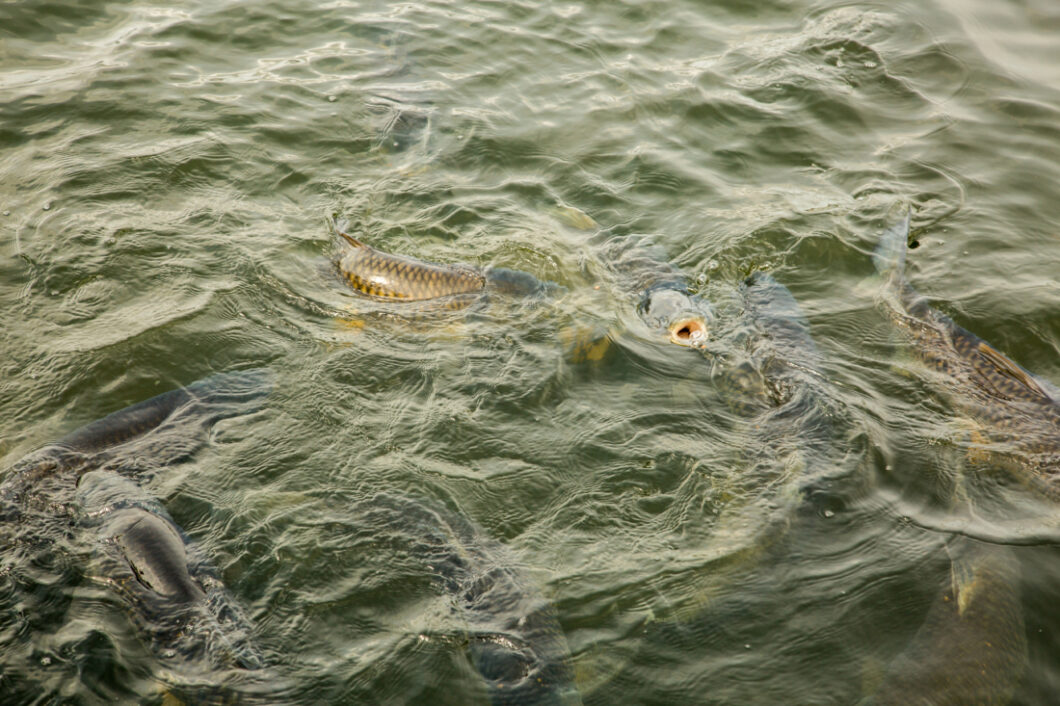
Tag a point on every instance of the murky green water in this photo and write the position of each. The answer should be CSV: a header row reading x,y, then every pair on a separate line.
x,y
166,173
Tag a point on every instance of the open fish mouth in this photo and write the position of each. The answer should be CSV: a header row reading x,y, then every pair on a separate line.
x,y
689,331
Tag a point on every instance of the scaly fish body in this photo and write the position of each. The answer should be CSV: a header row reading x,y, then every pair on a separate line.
x,y
1019,414
386,276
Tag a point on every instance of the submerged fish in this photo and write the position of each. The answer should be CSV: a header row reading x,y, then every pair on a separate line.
x,y
188,620
400,278
972,646
764,358
662,299
770,374
772,355
1018,413
664,302
150,434
513,636
175,596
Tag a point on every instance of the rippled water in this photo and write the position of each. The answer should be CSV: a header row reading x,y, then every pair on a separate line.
x,y
166,177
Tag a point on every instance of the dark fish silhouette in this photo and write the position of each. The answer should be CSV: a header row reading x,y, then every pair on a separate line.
x,y
764,358
972,646
144,436
770,373
175,596
83,482
1018,414
514,638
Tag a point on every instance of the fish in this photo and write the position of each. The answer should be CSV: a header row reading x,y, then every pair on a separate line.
x,y
178,601
85,485
672,309
764,359
1018,413
513,636
773,338
662,299
183,612
154,433
664,302
770,373
385,276
400,125
763,355
972,645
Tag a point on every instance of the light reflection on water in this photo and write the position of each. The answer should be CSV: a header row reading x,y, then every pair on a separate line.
x,y
167,176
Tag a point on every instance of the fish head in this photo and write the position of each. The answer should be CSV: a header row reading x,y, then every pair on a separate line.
x,y
517,673
682,317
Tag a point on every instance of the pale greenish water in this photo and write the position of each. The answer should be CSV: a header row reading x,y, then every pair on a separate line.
x,y
166,172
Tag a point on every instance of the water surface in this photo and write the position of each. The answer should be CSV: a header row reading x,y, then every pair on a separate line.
x,y
166,176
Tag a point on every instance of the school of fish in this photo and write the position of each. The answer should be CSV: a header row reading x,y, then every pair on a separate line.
x,y
971,648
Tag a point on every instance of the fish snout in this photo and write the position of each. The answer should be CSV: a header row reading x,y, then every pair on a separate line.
x,y
689,331
682,316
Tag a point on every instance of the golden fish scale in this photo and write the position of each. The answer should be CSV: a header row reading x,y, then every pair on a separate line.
x,y
388,276
1013,410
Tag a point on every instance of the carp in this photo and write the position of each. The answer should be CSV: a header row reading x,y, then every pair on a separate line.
x,y
150,434
663,299
1017,413
972,645
386,276
175,596
83,487
512,634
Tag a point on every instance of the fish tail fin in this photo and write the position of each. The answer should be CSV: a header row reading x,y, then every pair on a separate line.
x,y
351,240
340,227
574,217
973,565
963,571
889,256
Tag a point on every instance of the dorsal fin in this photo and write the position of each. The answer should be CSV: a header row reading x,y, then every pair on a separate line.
x,y
1007,367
